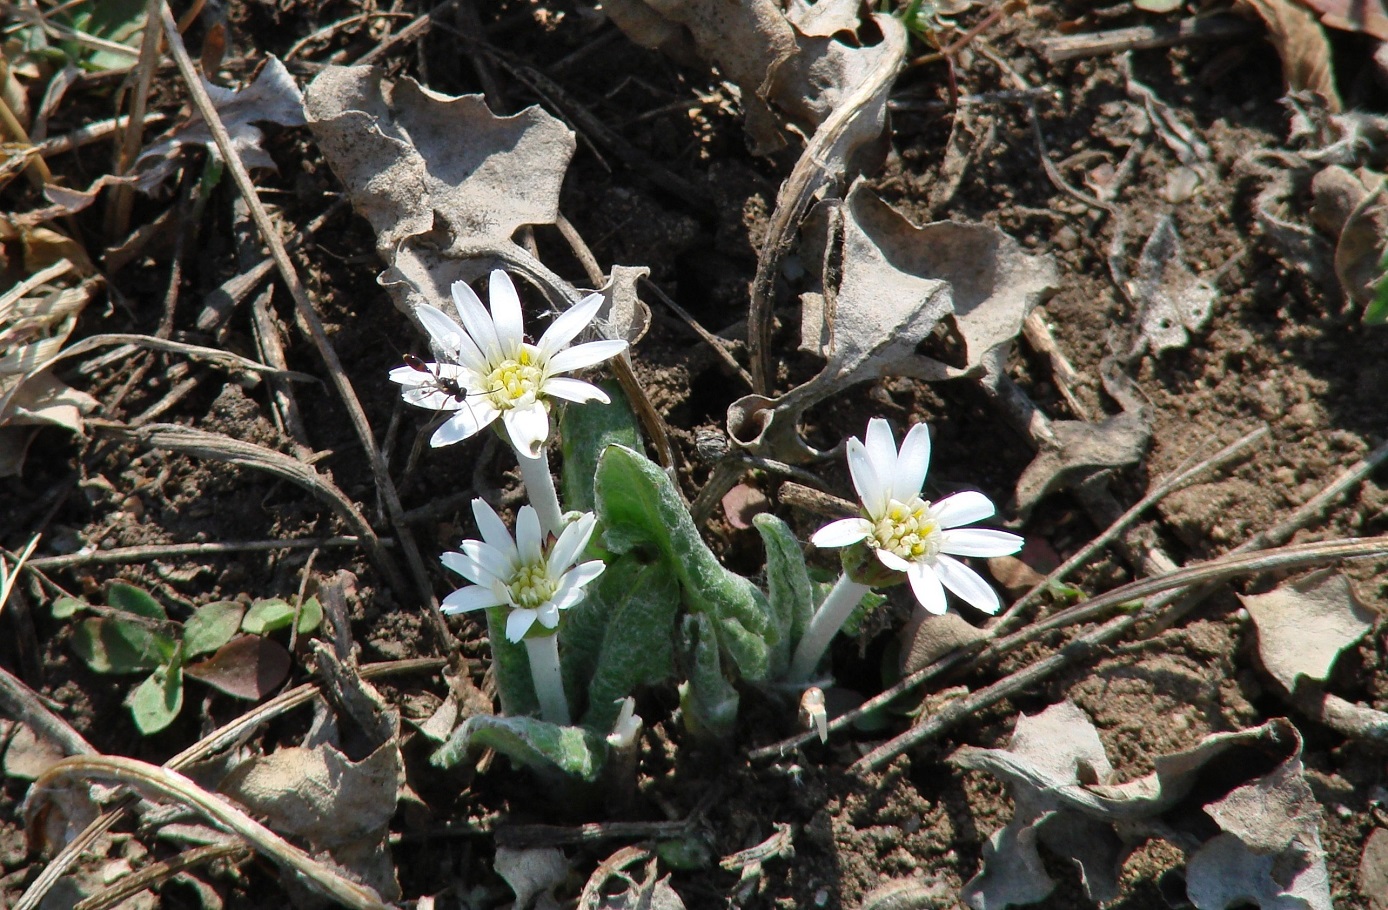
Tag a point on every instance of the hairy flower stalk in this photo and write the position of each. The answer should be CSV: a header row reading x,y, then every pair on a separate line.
x,y
487,370
907,534
534,583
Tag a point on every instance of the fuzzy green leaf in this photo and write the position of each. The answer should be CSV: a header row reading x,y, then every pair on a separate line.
x,y
527,741
621,637
640,510
788,585
273,614
211,626
511,664
708,700
131,599
67,607
586,430
114,645
155,702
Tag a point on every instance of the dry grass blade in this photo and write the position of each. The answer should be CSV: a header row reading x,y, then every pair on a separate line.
x,y
126,555
168,784
152,875
313,327
196,351
812,173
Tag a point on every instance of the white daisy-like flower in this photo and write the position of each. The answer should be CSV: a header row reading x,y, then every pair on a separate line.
x,y
519,573
910,534
488,370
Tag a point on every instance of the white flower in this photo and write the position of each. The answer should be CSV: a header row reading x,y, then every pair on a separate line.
x,y
491,371
519,573
910,534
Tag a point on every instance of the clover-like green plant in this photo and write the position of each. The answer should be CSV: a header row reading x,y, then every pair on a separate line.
x,y
132,633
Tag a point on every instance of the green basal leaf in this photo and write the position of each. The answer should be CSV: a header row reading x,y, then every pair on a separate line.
x,y
586,430
67,607
788,585
640,509
638,648
130,599
113,645
273,614
708,700
211,626
511,664
685,854
528,741
155,702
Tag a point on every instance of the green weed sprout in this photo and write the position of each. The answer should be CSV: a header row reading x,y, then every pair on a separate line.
x,y
132,633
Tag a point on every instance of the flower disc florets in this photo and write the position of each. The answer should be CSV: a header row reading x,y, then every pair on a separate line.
x,y
535,582
487,369
910,534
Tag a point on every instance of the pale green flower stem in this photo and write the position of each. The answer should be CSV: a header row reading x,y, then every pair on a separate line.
x,y
539,489
549,682
824,625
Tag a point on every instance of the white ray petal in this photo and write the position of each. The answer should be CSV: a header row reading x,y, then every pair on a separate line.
x,y
479,562
968,584
529,537
585,355
449,337
912,463
494,530
528,427
872,490
892,561
548,614
506,311
568,324
842,533
571,542
477,321
962,509
472,597
465,422
925,584
518,622
881,448
979,542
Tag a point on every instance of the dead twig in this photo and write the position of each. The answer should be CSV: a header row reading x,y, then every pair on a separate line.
x,y
125,555
24,705
151,875
1143,37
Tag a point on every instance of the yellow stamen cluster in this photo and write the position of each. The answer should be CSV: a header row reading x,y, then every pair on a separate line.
x,y
908,530
515,381
532,586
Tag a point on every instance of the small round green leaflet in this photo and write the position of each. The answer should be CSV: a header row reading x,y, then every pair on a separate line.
x,y
273,614
155,702
211,626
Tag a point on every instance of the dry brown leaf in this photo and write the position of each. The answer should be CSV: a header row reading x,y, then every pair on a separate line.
x,y
444,181
1174,301
1302,46
896,282
1367,16
1305,625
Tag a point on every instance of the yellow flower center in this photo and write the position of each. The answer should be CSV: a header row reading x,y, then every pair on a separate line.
x,y
531,586
515,381
907,529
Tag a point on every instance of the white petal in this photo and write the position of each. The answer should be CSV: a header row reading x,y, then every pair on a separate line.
x,y
574,390
569,323
892,561
477,320
585,355
968,584
570,590
506,311
409,376
881,448
962,509
479,562
469,598
494,530
979,542
912,463
872,491
448,337
433,398
571,543
925,584
518,623
528,427
465,422
548,614
842,533
529,537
